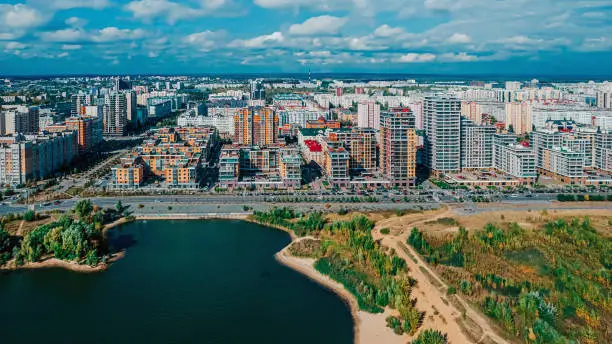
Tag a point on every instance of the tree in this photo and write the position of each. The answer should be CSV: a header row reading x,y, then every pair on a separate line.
x,y
29,215
430,337
83,208
119,207
5,239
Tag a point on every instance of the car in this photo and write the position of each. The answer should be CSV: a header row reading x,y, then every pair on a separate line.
x,y
57,202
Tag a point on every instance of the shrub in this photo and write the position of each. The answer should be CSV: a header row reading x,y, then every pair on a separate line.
x,y
385,231
451,291
29,215
430,337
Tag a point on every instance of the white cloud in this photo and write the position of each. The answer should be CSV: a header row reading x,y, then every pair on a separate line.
x,y
322,25
388,31
273,39
148,10
206,40
594,15
76,22
15,46
69,4
64,35
459,38
62,55
20,16
415,58
113,34
71,47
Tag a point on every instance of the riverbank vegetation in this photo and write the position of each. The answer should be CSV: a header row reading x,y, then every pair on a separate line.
x,y
345,251
549,285
75,236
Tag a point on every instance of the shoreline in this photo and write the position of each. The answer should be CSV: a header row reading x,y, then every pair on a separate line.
x,y
305,266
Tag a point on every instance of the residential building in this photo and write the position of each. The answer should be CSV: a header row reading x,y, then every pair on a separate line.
x,y
514,159
442,122
476,145
115,114
473,111
322,123
130,173
256,126
604,99
368,114
398,147
519,118
336,163
89,132
22,120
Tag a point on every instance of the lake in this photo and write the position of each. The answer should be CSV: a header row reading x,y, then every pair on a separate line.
x,y
180,282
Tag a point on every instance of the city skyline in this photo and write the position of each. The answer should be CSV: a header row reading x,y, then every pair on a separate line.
x,y
275,36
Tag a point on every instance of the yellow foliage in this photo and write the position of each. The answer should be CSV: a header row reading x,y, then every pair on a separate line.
x,y
532,335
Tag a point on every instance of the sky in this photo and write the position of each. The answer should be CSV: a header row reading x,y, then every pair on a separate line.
x,y
502,37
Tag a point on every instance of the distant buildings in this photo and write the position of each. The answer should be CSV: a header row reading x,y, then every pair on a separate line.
x,y
604,99
514,158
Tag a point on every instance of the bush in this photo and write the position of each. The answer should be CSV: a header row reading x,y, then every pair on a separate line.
x,y
29,215
431,337
451,291
385,231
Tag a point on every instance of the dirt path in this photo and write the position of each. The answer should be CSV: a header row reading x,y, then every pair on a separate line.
x,y
451,314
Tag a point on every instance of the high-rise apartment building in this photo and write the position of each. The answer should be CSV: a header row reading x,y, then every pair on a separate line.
x,y
22,120
131,106
361,145
368,114
519,118
78,103
513,85
398,147
476,145
257,90
89,131
115,114
604,99
473,111
121,85
442,122
256,126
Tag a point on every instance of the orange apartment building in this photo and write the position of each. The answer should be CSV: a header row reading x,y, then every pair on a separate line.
x,y
256,126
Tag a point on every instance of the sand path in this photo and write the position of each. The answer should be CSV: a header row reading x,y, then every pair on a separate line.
x,y
457,318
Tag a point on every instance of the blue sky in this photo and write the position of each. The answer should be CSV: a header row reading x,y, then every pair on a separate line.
x,y
538,37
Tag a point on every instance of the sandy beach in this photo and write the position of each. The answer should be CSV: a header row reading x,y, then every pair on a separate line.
x,y
49,263
368,328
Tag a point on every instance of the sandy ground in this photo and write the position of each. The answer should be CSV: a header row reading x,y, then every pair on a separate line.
x,y
369,328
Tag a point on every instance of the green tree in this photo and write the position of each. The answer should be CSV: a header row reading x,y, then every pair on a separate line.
x,y
430,337
5,240
29,215
83,208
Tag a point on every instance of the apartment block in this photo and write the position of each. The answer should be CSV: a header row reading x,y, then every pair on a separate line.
x,y
398,147
513,158
89,132
442,122
256,126
336,163
22,120
270,167
115,114
130,173
34,157
519,118
368,114
476,145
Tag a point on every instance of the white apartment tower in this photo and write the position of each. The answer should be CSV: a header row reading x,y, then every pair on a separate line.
x,y
368,114
442,122
115,114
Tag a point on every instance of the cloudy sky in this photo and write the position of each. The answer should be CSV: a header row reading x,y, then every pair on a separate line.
x,y
539,37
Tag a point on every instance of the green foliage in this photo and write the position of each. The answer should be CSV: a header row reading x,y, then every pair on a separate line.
x,y
313,223
451,253
385,231
465,287
29,215
451,291
430,337
83,208
5,240
396,324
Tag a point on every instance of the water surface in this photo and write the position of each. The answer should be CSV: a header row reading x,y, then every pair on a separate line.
x,y
180,282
